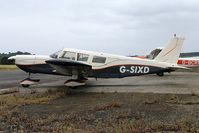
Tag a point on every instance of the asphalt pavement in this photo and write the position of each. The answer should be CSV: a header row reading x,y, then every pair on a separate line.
x,y
176,82
12,78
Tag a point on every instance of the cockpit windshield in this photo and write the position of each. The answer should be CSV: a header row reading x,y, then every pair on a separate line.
x,y
55,55
68,55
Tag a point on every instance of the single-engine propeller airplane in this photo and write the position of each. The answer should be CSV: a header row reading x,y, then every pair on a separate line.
x,y
81,64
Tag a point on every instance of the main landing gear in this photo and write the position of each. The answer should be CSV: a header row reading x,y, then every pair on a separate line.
x,y
28,81
161,74
76,82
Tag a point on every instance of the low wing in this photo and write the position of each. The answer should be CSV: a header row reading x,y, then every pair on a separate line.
x,y
70,67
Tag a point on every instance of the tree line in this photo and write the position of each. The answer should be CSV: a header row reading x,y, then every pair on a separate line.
x,y
4,57
191,54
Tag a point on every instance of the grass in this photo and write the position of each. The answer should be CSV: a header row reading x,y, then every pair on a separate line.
x,y
110,105
99,113
8,102
141,126
8,67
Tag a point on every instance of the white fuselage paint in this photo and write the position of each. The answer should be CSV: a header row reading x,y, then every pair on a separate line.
x,y
138,66
111,60
30,59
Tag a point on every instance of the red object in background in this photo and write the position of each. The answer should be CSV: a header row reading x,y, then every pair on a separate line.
x,y
141,57
188,62
183,62
180,62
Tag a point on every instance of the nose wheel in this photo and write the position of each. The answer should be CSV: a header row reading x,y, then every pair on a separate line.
x,y
25,85
28,81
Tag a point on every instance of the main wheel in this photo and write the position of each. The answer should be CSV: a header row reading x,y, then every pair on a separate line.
x,y
161,74
25,85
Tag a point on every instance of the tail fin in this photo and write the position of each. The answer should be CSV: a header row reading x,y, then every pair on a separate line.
x,y
171,53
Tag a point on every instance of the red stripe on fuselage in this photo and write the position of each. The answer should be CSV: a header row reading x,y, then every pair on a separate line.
x,y
124,65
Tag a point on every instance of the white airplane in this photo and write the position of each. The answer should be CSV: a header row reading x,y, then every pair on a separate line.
x,y
81,64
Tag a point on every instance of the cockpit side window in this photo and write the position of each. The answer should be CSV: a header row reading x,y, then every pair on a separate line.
x,y
82,57
55,55
98,59
68,55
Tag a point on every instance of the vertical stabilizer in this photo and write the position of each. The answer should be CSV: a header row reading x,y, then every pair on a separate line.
x,y
171,53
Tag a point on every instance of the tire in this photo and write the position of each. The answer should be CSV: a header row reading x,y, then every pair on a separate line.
x,y
160,74
25,85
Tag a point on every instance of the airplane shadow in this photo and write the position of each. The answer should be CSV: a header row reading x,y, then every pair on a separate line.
x,y
139,85
89,86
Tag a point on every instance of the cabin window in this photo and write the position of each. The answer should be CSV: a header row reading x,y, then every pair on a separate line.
x,y
98,59
82,57
69,55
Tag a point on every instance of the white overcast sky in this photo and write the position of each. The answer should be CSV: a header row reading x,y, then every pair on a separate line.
x,y
112,26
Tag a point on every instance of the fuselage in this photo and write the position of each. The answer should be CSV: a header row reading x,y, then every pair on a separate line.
x,y
103,65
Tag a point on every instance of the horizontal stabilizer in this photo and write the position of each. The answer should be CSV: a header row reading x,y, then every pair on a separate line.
x,y
178,67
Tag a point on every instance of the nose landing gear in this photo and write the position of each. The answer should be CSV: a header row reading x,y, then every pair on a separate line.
x,y
28,81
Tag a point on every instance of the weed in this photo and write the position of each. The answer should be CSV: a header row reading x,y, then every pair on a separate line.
x,y
110,105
